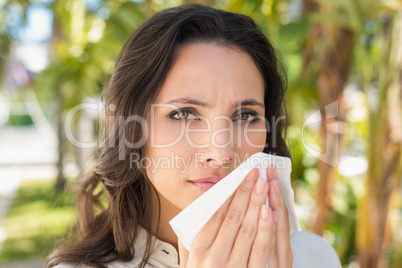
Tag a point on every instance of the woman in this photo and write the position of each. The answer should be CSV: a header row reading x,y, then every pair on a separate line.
x,y
188,101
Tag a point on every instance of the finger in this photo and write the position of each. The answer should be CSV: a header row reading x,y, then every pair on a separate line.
x,y
271,175
283,229
277,203
248,229
208,232
234,216
272,178
183,255
273,258
264,242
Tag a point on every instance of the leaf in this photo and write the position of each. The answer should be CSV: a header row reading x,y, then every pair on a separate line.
x,y
341,20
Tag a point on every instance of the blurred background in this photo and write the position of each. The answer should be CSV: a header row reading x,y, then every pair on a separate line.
x,y
344,104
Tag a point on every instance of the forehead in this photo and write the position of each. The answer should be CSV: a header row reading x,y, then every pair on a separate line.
x,y
212,73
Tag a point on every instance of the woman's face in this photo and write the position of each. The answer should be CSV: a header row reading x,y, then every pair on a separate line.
x,y
207,119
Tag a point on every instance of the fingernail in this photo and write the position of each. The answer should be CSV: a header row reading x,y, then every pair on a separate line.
x,y
272,170
265,213
259,188
274,185
251,175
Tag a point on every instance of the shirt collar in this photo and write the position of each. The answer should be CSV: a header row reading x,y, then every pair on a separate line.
x,y
163,255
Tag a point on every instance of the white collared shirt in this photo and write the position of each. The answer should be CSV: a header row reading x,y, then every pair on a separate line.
x,y
309,250
164,255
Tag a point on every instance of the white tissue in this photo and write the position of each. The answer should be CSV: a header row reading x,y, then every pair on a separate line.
x,y
190,221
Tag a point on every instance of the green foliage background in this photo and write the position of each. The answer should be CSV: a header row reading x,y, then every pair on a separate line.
x,y
84,45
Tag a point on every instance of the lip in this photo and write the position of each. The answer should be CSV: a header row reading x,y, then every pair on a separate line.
x,y
206,182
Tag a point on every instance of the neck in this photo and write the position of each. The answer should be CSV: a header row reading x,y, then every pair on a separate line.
x,y
168,212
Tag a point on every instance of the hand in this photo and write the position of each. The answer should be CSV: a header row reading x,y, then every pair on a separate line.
x,y
240,234
282,255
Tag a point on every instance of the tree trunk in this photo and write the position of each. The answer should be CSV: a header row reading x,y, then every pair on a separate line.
x,y
333,74
384,154
332,78
61,180
85,133
60,184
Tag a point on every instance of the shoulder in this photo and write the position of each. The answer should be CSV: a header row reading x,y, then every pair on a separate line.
x,y
163,255
116,264
68,265
311,250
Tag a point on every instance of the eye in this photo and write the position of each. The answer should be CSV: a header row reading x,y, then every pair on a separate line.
x,y
248,116
244,116
181,114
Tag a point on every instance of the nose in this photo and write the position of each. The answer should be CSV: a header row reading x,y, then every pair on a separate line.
x,y
221,151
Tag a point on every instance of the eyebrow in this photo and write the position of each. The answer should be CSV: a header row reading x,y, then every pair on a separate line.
x,y
246,102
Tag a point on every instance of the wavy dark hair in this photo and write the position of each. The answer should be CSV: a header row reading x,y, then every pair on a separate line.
x,y
108,233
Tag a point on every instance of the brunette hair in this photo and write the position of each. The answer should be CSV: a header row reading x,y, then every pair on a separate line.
x,y
109,233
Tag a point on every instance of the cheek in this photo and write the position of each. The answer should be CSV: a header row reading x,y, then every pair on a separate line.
x,y
162,170
165,173
171,160
167,152
253,137
167,137
165,133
